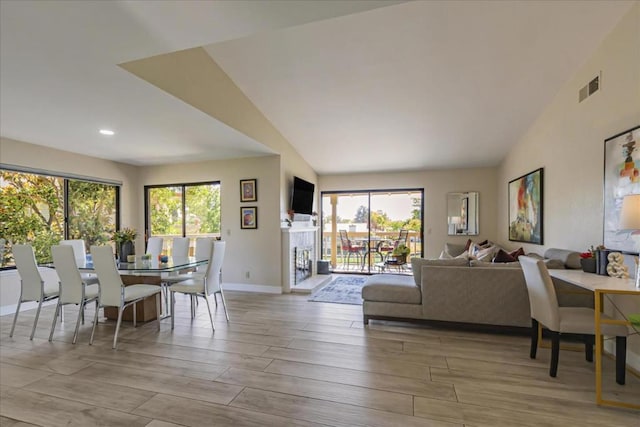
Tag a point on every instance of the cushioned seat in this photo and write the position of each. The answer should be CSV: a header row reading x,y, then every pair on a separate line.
x,y
392,288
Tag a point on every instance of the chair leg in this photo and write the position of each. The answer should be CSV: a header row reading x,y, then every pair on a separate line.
x,y
115,336
55,318
15,317
80,316
172,300
589,341
35,322
555,353
134,315
158,308
95,321
534,338
621,359
224,304
82,306
206,298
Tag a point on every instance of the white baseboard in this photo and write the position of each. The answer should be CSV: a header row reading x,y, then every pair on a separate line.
x,y
246,287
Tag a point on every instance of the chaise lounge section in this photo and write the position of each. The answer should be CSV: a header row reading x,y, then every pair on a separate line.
x,y
478,294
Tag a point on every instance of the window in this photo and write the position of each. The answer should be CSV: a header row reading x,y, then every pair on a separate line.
x,y
182,210
43,209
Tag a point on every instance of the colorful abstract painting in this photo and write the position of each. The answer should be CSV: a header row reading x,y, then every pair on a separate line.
x,y
621,178
525,208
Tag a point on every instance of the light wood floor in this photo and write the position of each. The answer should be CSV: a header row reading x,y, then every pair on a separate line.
x,y
283,361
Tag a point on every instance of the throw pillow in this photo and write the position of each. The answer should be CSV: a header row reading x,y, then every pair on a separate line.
x,y
445,255
417,263
486,254
502,256
453,249
483,243
515,254
468,245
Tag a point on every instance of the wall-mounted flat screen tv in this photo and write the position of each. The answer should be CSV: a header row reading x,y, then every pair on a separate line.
x,y
302,196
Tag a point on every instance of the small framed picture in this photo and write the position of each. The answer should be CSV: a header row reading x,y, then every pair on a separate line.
x,y
249,217
248,190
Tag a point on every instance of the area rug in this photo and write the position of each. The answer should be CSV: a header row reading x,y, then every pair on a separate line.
x,y
343,290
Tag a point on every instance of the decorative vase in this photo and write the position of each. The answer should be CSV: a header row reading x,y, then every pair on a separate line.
x,y
588,265
126,249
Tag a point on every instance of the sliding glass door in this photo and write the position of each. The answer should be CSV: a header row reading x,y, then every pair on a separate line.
x,y
362,231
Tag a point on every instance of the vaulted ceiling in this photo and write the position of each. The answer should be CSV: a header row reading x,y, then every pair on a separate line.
x,y
352,85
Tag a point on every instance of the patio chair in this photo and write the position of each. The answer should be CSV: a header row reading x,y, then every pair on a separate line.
x,y
349,249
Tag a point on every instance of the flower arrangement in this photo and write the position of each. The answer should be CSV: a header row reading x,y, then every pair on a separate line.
x,y
591,253
124,235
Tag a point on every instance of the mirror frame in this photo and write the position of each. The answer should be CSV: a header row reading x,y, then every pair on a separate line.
x,y
463,216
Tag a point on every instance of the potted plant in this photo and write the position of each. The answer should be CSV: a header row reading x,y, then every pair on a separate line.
x,y
125,240
399,254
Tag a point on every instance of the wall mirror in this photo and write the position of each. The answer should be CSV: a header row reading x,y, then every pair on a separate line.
x,y
462,213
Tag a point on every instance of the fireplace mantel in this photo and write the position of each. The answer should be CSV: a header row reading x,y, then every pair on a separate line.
x,y
301,235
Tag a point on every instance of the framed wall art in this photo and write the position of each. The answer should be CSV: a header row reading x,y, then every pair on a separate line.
x,y
526,208
248,190
249,217
621,178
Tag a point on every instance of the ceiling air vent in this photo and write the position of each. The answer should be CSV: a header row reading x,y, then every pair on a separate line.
x,y
589,89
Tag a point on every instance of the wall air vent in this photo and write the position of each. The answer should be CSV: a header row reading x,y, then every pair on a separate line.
x,y
589,89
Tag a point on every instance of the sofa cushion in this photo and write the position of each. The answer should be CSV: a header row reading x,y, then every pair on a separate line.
x,y
571,259
391,288
417,263
476,263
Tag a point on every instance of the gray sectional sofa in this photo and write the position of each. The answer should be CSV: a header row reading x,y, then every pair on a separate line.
x,y
464,292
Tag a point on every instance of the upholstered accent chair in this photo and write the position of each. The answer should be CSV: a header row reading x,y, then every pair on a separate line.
x,y
545,311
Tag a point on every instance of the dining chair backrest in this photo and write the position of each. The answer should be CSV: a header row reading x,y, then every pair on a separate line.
x,y
543,301
32,283
104,264
180,247
154,246
204,246
70,280
79,251
215,266
344,239
402,238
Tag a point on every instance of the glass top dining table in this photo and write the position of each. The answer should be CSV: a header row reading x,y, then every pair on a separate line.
x,y
141,266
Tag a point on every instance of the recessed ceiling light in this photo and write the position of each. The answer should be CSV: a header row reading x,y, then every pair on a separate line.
x,y
107,132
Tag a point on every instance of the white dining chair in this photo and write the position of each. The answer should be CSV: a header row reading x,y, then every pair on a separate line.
x,y
32,286
203,286
113,293
80,255
545,311
154,246
180,247
73,289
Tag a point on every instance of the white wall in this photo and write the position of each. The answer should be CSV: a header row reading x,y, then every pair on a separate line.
x,y
256,251
568,141
436,185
